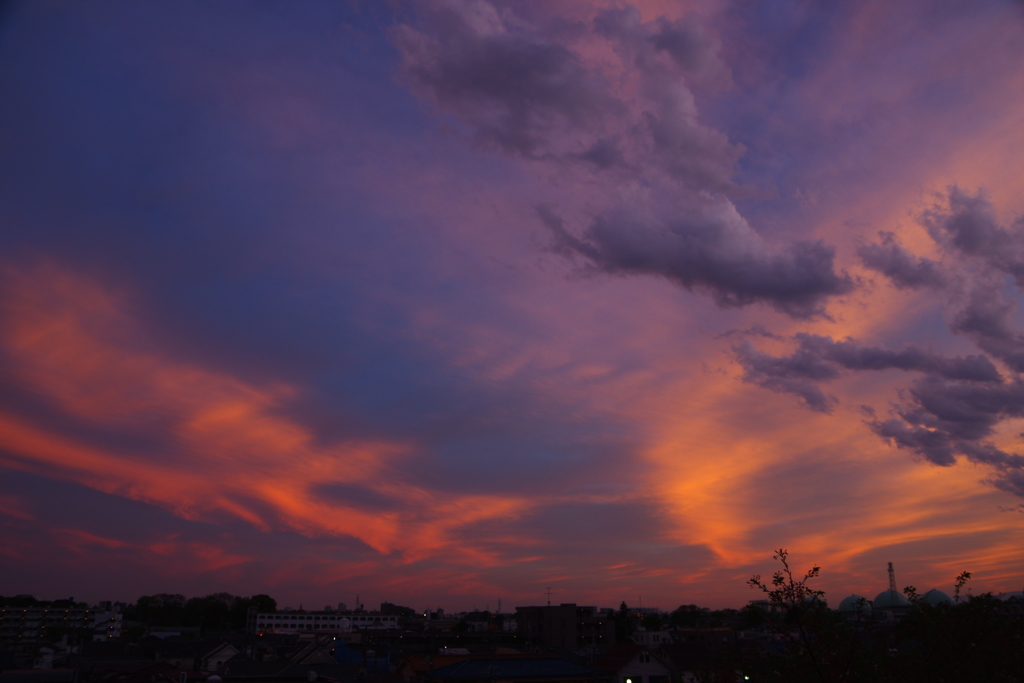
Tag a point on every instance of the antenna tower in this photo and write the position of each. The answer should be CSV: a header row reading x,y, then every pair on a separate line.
x,y
892,579
549,595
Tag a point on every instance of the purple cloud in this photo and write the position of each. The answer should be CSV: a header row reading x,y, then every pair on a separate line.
x,y
711,250
967,224
904,269
516,89
525,90
943,418
821,359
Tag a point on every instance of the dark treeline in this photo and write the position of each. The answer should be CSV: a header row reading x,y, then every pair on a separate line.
x,y
25,601
975,639
693,616
978,640
215,612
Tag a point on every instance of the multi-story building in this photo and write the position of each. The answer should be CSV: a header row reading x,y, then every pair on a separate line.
x,y
566,626
35,623
318,622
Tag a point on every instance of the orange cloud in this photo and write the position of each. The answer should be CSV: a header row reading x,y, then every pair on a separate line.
x,y
76,343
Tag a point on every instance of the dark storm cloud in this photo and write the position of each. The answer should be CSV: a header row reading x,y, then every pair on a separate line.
x,y
716,253
956,408
1011,482
904,269
962,410
965,227
819,359
936,447
982,253
953,410
514,88
795,374
985,320
752,331
524,89
967,224
943,418
666,129
853,356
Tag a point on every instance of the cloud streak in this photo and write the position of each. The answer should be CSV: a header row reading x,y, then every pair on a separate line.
x,y
305,331
822,359
234,454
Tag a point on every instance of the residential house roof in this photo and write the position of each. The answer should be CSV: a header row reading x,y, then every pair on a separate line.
x,y
517,668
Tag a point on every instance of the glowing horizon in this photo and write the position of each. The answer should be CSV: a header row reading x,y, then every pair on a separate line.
x,y
441,303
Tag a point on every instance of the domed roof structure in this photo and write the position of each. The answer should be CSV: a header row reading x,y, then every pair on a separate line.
x,y
890,600
936,597
854,604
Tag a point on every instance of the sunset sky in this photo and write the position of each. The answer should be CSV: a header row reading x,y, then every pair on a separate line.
x,y
449,302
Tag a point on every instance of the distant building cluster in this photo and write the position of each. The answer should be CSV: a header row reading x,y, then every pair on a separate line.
x,y
248,640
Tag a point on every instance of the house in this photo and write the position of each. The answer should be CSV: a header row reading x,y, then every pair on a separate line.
x,y
517,669
636,664
214,659
418,667
311,661
651,639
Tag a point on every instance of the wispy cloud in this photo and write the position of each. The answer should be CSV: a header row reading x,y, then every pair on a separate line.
x,y
432,300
